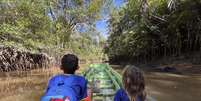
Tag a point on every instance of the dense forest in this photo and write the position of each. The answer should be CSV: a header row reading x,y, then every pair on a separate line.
x,y
54,27
140,30
144,30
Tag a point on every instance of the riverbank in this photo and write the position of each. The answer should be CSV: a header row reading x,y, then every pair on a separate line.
x,y
23,86
27,85
188,64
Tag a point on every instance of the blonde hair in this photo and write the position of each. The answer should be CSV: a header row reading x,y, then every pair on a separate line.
x,y
134,83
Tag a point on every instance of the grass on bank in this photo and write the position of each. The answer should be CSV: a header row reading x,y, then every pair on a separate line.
x,y
27,86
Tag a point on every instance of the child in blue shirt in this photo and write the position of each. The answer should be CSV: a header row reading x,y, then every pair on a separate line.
x,y
133,86
67,86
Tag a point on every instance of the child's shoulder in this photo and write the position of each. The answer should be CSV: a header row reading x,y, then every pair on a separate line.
x,y
79,78
67,79
68,76
121,91
121,94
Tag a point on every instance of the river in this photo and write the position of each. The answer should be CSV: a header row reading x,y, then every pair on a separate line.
x,y
172,87
160,86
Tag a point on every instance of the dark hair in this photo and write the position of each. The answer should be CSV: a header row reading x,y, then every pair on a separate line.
x,y
134,83
69,63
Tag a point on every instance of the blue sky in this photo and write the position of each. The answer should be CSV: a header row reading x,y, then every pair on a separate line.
x,y
101,25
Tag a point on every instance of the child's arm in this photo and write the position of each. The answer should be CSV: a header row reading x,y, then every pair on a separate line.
x,y
50,83
88,98
117,96
85,92
48,87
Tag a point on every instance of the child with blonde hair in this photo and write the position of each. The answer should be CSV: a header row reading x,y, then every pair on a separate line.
x,y
133,85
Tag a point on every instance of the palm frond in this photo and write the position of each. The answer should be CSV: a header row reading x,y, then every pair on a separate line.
x,y
172,4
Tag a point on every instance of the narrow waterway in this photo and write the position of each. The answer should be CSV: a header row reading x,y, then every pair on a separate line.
x,y
160,86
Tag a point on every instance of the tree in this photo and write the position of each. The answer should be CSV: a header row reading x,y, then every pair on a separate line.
x,y
51,26
149,29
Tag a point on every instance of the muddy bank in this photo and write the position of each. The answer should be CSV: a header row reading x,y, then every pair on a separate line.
x,y
12,59
189,63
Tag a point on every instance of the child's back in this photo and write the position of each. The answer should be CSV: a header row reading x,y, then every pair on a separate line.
x,y
121,95
67,86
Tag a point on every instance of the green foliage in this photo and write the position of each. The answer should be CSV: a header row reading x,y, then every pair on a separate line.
x,y
49,25
163,28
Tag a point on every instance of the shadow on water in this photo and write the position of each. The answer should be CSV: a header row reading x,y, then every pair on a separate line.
x,y
172,87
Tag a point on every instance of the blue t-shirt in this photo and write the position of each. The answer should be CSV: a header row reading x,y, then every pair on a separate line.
x,y
72,86
121,95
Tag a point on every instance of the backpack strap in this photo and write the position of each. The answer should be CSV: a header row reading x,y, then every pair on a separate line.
x,y
60,99
56,99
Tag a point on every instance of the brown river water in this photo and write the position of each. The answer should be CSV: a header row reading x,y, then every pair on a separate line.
x,y
160,86
172,87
